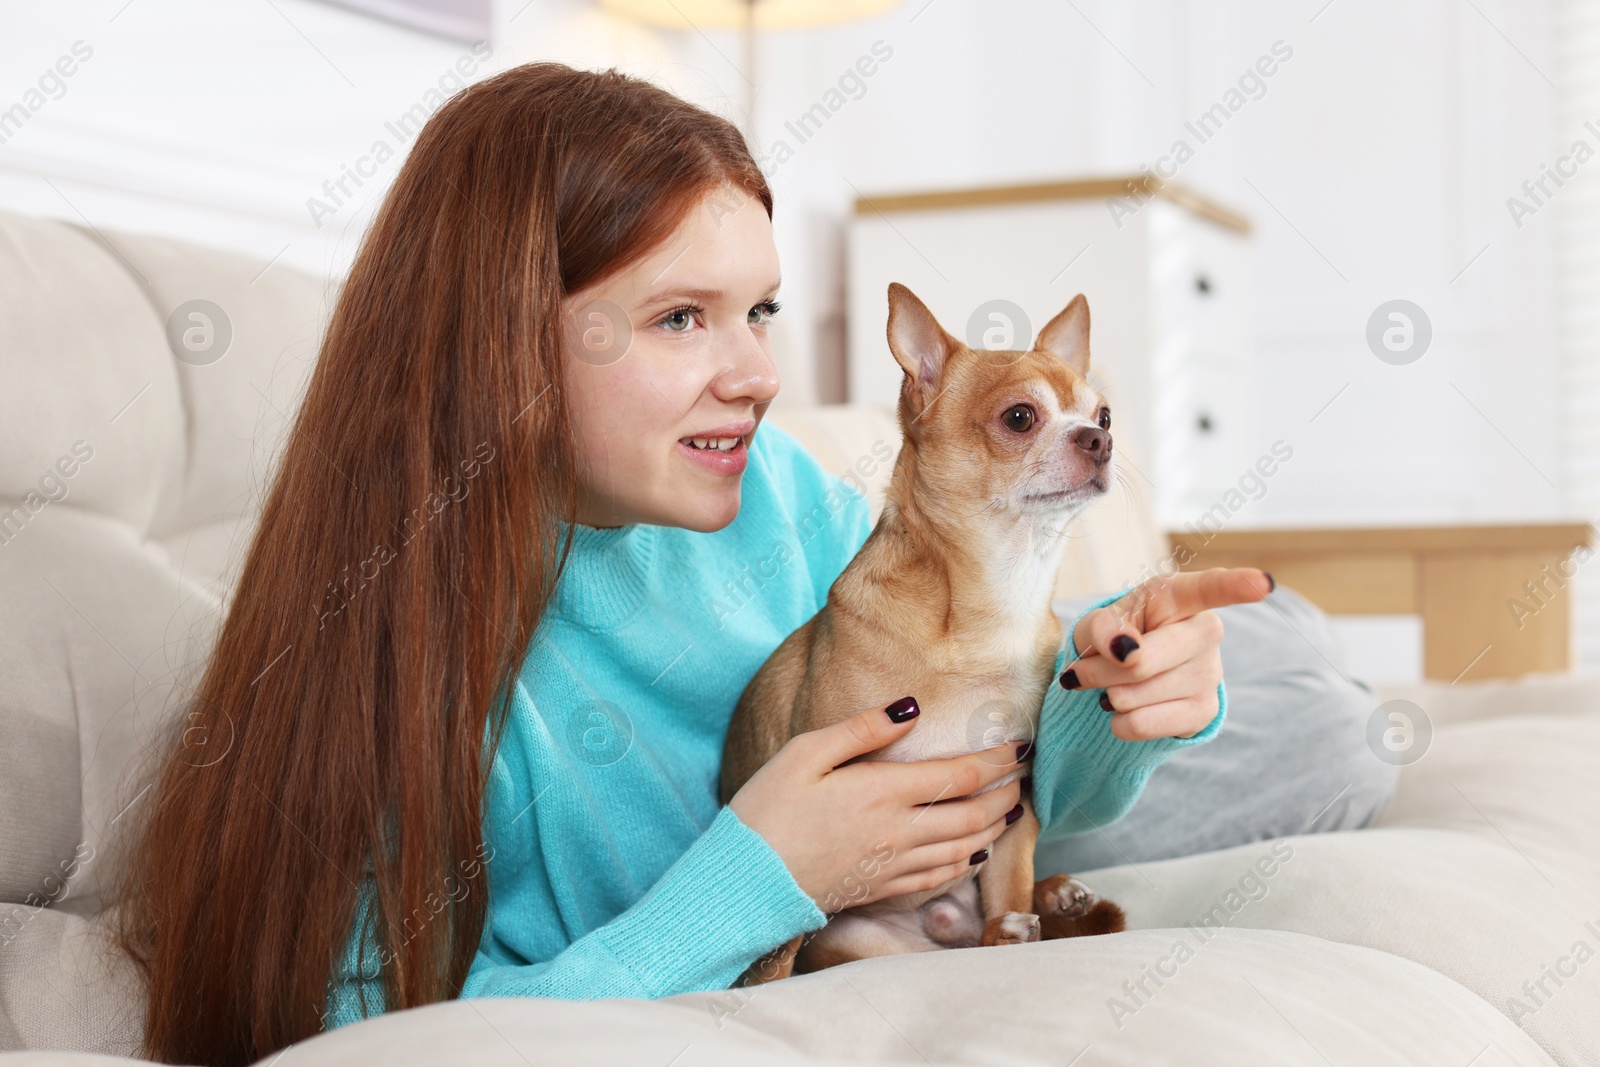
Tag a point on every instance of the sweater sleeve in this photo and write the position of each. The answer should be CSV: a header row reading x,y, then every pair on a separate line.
x,y
724,903
1085,776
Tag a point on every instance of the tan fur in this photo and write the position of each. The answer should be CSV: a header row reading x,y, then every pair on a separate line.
x,y
948,601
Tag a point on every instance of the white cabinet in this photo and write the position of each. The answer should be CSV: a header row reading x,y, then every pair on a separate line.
x,y
1166,279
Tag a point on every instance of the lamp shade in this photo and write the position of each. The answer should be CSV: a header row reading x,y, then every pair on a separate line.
x,y
733,14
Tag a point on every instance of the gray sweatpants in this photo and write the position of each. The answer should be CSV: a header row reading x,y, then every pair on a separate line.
x,y
1291,758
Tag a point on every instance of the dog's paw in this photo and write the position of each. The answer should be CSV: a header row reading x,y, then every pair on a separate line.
x,y
1012,928
1103,917
1063,896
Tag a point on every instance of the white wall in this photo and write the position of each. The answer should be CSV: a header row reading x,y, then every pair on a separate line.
x,y
215,122
1377,165
1577,28
1389,144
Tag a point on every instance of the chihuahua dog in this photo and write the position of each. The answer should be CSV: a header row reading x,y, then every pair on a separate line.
x,y
950,599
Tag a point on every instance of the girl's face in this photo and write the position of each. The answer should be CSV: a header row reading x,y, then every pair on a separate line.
x,y
672,348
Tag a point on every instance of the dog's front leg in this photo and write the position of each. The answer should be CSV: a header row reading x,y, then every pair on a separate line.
x,y
1005,883
775,965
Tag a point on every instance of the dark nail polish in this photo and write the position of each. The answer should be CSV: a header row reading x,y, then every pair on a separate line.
x,y
903,709
1272,583
1014,814
1027,782
1105,701
1024,750
979,856
1122,646
1069,679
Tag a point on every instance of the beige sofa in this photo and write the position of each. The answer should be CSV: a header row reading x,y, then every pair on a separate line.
x,y
1462,930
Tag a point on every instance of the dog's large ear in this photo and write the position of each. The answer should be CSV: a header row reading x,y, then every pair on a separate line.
x,y
920,345
1067,335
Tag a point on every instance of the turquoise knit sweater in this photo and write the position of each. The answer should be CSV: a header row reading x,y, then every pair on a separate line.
x,y
612,870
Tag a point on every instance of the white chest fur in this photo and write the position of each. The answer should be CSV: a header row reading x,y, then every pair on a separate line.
x,y
984,689
972,719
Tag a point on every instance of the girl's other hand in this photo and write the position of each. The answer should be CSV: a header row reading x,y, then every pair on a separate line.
x,y
852,834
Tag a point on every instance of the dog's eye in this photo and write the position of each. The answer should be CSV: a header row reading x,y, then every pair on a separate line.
x,y
1018,418
1105,418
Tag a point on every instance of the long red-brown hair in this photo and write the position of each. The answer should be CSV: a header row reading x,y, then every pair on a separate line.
x,y
405,553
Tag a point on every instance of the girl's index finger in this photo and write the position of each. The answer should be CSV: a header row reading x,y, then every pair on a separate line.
x,y
1117,630
1188,594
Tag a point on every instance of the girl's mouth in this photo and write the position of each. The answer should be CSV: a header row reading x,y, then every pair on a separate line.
x,y
720,455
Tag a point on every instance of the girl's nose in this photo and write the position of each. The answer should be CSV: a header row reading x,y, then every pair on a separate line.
x,y
752,375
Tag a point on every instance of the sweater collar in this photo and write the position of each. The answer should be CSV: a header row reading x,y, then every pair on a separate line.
x,y
607,575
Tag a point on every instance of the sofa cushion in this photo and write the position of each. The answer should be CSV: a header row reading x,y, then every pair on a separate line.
x,y
236,407
40,801
1243,996
129,482
115,636
1532,694
63,985
85,360
1246,997
1485,868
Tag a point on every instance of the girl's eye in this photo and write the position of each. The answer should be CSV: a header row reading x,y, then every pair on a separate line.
x,y
762,313
1105,418
678,320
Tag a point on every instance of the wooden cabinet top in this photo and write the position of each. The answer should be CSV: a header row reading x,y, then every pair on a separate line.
x,y
1139,186
1321,540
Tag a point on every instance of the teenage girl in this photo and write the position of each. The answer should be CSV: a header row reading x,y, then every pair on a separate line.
x,y
499,607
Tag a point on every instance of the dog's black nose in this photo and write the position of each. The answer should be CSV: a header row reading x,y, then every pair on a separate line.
x,y
1095,441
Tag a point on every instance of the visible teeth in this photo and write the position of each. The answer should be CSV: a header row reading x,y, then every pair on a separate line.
x,y
719,444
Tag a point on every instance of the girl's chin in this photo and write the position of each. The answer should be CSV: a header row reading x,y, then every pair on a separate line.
x,y
692,507
707,511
